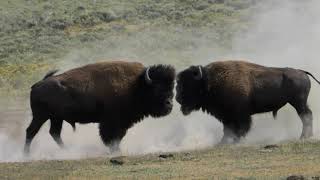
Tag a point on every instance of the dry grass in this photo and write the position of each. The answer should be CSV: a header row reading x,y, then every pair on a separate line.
x,y
236,162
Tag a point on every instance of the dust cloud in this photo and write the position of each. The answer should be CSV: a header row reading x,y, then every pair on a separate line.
x,y
286,34
283,33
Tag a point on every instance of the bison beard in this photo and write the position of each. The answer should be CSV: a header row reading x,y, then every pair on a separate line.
x,y
114,94
232,91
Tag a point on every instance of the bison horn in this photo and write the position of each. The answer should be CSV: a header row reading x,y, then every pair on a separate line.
x,y
147,77
199,76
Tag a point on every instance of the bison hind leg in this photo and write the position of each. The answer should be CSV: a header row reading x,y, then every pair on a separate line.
x,y
305,115
55,131
111,136
31,131
307,124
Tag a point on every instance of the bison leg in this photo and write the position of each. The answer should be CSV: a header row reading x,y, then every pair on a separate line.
x,y
111,136
31,131
55,131
305,115
307,126
235,128
229,135
243,125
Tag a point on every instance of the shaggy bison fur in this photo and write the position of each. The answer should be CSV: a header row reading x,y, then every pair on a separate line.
x,y
232,91
114,94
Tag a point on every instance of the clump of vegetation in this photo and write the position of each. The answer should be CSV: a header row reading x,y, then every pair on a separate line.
x,y
19,77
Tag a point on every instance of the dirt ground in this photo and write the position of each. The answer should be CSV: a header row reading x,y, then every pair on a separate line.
x,y
234,162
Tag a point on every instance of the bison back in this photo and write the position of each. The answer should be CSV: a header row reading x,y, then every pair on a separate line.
x,y
104,80
232,78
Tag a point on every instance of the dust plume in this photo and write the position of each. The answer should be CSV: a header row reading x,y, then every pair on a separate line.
x,y
282,33
285,34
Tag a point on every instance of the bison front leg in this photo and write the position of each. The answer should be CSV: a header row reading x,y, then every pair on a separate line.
x,y
234,128
229,135
111,136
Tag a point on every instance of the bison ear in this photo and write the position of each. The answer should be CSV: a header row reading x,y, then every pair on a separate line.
x,y
198,73
147,76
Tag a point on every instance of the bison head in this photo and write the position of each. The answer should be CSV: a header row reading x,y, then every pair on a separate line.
x,y
158,93
191,88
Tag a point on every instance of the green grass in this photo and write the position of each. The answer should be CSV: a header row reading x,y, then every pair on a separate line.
x,y
236,162
38,33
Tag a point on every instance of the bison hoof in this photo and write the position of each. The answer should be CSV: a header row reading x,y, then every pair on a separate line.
x,y
227,140
307,131
114,150
26,151
114,147
305,136
62,146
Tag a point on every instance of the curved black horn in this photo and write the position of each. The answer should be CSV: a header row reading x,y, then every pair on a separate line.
x,y
199,75
147,77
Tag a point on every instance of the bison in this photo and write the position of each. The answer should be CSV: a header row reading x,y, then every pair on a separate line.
x,y
114,94
232,91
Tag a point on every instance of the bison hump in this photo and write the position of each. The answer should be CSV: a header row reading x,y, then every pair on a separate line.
x,y
229,79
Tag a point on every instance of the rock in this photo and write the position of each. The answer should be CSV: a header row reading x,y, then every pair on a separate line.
x,y
294,177
105,16
80,8
215,1
57,24
165,156
200,6
117,161
272,146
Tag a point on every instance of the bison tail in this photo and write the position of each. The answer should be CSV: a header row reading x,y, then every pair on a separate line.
x,y
50,73
311,76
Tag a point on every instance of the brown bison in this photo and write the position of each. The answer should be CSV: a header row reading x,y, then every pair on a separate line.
x,y
232,91
114,94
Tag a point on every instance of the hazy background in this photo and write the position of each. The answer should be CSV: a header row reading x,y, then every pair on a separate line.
x,y
285,33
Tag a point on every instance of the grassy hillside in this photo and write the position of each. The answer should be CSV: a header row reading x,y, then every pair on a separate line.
x,y
37,35
237,162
